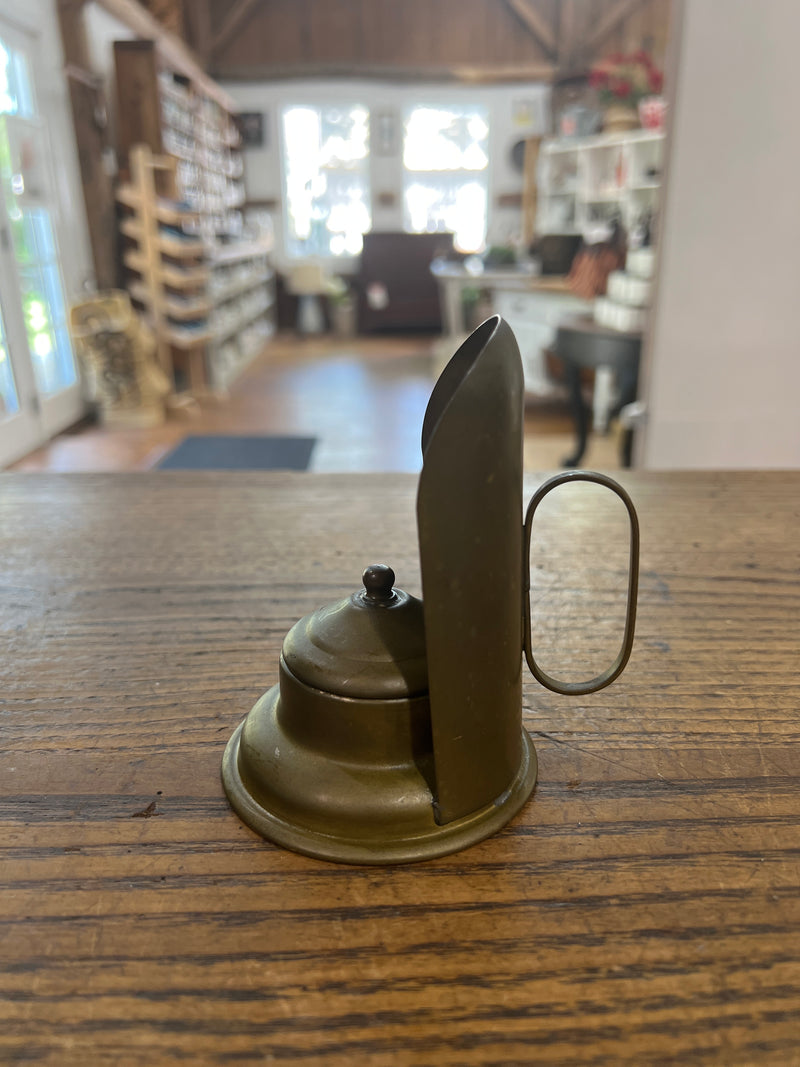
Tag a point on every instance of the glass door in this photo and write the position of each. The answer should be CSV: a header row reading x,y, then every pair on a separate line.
x,y
20,416
39,385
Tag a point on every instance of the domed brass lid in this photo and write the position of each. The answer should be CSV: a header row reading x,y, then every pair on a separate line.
x,y
371,645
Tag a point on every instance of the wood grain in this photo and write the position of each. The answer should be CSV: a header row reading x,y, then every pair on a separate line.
x,y
644,908
139,109
471,40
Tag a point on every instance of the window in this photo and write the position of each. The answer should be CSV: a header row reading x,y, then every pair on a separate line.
x,y
326,180
445,179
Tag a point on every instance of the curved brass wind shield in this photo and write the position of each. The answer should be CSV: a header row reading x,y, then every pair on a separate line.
x,y
469,514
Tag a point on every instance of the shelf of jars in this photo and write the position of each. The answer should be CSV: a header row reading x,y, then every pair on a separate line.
x,y
165,264
242,293
210,168
212,287
174,114
179,307
233,354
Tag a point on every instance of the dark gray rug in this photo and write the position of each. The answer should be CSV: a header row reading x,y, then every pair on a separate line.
x,y
219,452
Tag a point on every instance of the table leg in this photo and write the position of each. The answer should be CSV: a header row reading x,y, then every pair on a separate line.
x,y
572,377
603,398
450,299
628,382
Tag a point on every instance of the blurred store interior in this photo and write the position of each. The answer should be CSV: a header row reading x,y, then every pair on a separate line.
x,y
262,219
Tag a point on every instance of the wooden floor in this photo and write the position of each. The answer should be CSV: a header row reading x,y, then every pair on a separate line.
x,y
363,398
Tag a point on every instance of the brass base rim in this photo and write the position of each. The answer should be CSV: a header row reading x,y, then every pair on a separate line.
x,y
443,840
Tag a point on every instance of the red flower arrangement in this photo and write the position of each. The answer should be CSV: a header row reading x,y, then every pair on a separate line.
x,y
625,80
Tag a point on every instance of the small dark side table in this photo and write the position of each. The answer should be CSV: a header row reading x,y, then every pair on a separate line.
x,y
581,342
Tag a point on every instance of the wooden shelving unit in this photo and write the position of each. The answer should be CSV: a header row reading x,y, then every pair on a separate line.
x,y
243,314
227,292
165,263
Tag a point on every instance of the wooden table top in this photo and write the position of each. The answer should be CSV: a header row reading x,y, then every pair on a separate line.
x,y
643,908
510,277
585,324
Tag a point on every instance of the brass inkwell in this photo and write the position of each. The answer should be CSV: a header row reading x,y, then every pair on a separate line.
x,y
395,731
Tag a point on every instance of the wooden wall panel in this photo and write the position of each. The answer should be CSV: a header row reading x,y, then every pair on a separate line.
x,y
409,36
391,36
647,27
279,29
586,16
335,32
421,38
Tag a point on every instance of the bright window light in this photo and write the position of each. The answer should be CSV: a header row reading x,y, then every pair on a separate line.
x,y
27,203
326,180
445,184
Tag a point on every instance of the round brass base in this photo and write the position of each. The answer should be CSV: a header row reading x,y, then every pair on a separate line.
x,y
405,841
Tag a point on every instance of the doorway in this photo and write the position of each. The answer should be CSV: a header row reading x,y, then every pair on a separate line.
x,y
39,381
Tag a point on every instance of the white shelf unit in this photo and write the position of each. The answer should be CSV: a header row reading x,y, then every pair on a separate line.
x,y
241,291
582,181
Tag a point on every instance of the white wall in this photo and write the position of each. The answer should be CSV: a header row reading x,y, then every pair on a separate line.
x,y
263,166
102,29
723,375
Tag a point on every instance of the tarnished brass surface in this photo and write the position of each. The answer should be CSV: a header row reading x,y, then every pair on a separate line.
x,y
344,808
469,515
395,732
350,777
371,644
619,664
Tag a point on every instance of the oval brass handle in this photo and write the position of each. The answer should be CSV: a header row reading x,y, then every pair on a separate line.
x,y
616,668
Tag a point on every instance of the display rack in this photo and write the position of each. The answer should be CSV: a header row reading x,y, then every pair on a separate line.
x,y
242,294
190,121
164,259
582,181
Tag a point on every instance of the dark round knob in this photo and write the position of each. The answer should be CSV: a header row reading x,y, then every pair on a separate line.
x,y
378,580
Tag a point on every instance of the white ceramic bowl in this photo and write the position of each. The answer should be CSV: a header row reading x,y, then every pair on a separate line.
x,y
618,316
626,288
641,262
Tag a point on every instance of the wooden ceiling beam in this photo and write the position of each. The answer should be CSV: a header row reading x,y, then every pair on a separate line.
x,y
465,73
237,19
533,20
167,13
495,72
606,26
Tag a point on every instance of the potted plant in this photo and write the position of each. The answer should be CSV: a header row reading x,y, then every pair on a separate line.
x,y
498,256
622,83
342,307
